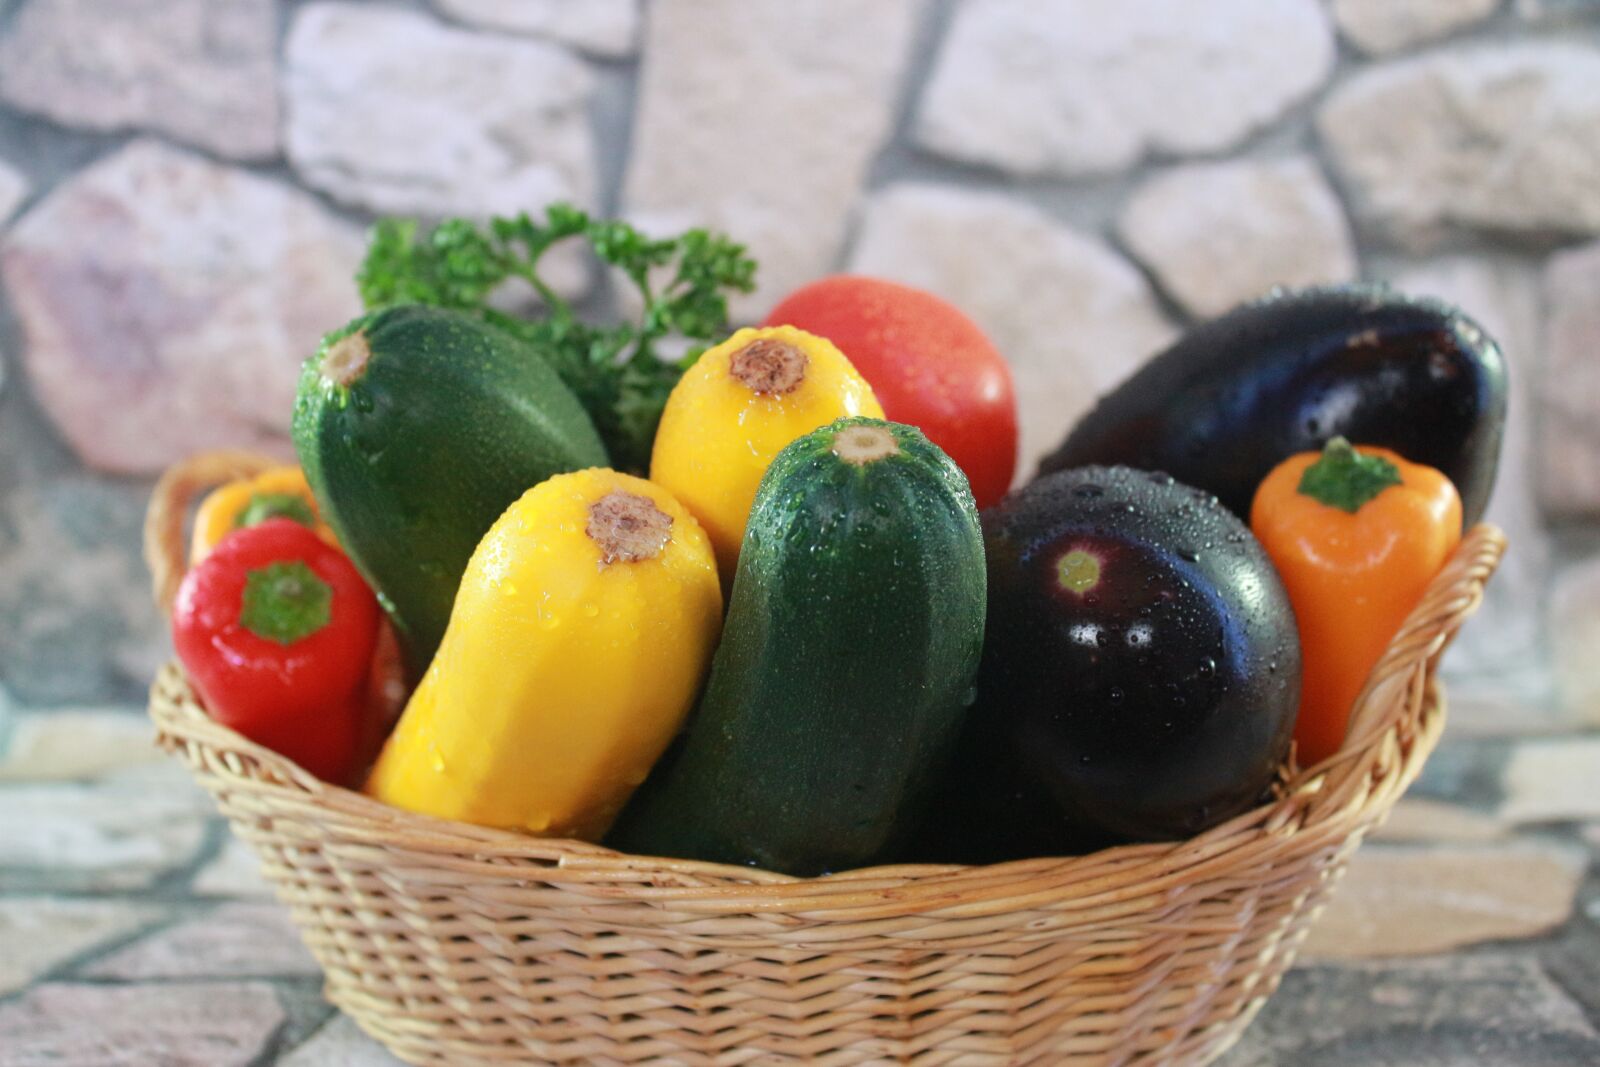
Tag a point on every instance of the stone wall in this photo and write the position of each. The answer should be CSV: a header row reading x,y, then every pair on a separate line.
x,y
183,185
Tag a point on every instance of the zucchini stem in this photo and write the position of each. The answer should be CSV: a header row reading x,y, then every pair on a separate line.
x,y
860,445
346,360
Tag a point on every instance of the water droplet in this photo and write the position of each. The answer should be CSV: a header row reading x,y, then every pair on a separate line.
x,y
591,610
1115,695
1208,667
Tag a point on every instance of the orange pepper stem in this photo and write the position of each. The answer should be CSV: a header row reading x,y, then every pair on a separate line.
x,y
1346,479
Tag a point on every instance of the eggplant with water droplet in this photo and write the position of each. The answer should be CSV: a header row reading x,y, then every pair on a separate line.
x,y
1140,674
1233,397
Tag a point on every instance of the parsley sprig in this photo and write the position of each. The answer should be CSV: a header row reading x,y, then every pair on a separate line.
x,y
616,370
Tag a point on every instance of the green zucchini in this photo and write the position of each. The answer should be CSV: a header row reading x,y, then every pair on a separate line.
x,y
416,428
846,665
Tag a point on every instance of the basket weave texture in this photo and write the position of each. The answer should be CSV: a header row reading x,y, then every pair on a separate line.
x,y
454,944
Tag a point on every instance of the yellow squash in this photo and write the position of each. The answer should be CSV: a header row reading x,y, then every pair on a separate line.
x,y
576,646
736,409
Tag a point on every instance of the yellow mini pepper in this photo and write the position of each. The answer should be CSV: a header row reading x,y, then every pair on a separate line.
x,y
279,492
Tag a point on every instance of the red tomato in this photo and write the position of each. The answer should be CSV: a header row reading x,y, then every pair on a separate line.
x,y
928,363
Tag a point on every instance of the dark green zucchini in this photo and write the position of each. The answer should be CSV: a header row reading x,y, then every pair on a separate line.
x,y
1233,397
417,427
846,666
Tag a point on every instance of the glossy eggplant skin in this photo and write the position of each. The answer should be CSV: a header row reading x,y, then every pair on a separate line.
x,y
1141,668
1235,396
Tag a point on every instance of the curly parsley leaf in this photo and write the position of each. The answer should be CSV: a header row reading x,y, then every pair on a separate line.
x,y
616,370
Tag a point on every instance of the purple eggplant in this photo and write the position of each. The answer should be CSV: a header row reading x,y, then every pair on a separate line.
x,y
1233,397
1140,674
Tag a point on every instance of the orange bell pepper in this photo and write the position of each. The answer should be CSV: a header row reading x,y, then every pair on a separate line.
x,y
1356,534
279,492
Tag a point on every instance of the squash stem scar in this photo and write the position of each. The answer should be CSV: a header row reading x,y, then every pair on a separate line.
x,y
769,368
629,528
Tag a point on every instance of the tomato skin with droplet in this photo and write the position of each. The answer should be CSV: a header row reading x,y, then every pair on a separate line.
x,y
928,364
1141,667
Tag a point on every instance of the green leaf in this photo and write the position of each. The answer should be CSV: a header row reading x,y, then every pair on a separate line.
x,y
1345,479
617,371
285,602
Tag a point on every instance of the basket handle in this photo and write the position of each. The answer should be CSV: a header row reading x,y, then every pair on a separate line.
x,y
164,545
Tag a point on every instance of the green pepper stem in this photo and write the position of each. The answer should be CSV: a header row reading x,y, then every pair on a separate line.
x,y
1346,479
285,602
264,506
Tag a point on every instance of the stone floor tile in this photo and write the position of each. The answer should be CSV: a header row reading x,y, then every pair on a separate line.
x,y
1553,780
340,1042
235,872
40,933
235,940
1402,901
72,743
174,1025
1480,1011
124,832
1419,819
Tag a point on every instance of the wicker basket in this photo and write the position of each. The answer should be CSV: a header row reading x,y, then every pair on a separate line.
x,y
453,944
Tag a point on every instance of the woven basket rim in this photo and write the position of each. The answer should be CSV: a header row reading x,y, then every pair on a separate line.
x,y
1355,785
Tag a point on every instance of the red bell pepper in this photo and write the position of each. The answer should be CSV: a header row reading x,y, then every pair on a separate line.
x,y
276,630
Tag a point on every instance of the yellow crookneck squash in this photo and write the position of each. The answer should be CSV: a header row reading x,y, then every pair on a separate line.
x,y
576,646
736,409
